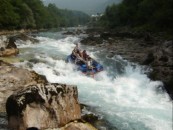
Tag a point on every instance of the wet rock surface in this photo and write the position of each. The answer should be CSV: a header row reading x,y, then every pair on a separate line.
x,y
142,48
25,37
78,126
43,106
13,78
88,115
3,121
8,46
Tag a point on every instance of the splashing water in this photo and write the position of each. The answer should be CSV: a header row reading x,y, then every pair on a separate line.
x,y
122,94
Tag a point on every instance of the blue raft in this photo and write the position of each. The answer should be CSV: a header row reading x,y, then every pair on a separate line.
x,y
83,67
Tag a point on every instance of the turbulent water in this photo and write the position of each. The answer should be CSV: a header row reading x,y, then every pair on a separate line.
x,y
122,94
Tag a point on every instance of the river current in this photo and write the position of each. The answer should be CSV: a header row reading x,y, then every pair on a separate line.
x,y
122,94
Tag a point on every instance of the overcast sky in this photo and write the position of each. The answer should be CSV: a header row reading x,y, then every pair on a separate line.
x,y
88,6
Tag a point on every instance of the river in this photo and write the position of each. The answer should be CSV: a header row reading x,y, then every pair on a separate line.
x,y
122,94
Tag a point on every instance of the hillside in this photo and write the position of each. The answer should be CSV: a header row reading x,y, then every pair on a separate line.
x,y
27,14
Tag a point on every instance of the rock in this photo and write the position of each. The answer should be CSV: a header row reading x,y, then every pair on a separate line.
x,y
96,120
25,37
11,43
43,106
2,63
148,37
168,86
36,104
9,49
78,126
2,49
79,31
9,52
34,60
90,118
149,59
13,78
3,121
105,35
69,33
91,40
163,58
3,41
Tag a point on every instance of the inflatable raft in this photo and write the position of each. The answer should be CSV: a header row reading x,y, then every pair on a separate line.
x,y
96,67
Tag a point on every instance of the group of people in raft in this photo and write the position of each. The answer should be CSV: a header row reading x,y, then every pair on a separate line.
x,y
81,57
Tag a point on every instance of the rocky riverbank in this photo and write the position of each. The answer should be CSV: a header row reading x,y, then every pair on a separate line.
x,y
142,48
30,102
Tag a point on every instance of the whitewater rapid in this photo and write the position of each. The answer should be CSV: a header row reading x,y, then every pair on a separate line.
x,y
123,95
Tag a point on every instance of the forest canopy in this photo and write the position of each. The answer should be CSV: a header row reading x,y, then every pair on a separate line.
x,y
27,14
155,15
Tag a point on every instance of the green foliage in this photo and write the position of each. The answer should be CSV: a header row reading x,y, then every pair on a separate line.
x,y
25,13
54,17
73,18
146,14
16,14
8,17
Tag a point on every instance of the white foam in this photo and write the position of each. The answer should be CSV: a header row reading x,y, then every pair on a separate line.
x,y
129,101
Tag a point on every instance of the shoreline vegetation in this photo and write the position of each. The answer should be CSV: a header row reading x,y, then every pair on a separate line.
x,y
139,15
27,14
14,32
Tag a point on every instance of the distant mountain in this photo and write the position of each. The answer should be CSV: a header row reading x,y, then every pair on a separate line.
x,y
101,8
113,2
87,6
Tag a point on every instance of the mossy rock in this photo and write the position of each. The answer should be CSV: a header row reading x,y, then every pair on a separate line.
x,y
10,59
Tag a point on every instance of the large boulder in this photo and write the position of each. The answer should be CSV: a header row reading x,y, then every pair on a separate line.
x,y
11,43
43,106
8,47
13,78
9,52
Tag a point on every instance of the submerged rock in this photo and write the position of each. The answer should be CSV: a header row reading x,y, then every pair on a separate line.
x,y
25,37
43,106
69,33
89,115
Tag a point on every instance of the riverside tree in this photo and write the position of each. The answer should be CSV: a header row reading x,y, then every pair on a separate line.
x,y
152,15
17,14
